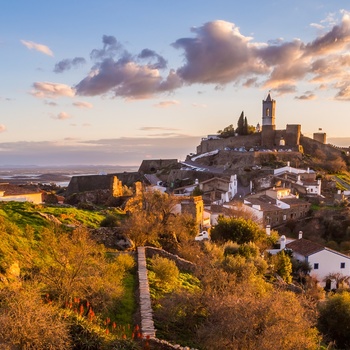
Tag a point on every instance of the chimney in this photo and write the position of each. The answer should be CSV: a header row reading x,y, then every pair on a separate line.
x,y
288,163
268,230
300,236
282,242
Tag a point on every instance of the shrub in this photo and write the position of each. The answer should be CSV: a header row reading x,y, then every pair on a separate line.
x,y
166,273
27,322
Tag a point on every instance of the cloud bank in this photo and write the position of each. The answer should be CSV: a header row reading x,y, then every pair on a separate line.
x,y
218,53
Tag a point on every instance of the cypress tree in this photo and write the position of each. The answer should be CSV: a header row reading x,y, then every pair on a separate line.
x,y
240,124
245,126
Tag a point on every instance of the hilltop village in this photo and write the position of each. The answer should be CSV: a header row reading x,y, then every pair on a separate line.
x,y
253,227
274,174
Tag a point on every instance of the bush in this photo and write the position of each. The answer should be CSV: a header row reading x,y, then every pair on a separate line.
x,y
110,221
27,322
166,273
334,319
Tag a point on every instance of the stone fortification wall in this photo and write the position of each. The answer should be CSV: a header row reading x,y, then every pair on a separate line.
x,y
293,133
247,141
268,136
311,146
89,183
85,183
320,137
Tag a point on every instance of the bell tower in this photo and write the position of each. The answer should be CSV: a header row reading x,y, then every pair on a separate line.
x,y
268,130
269,112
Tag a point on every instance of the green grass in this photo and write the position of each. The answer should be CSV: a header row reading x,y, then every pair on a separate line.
x,y
127,305
23,214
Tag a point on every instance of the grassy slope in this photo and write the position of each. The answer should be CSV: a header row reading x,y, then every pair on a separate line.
x,y
23,214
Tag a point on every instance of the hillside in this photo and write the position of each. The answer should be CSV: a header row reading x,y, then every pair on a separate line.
x,y
236,154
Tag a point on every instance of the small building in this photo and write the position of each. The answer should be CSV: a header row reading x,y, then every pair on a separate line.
x,y
16,193
219,190
300,180
276,206
322,260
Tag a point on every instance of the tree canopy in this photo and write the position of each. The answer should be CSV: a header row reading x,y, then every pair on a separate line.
x,y
238,230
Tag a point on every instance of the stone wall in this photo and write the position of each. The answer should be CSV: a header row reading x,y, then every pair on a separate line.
x,y
247,141
147,325
86,183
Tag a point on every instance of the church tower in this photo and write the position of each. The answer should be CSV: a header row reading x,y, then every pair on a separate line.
x,y
268,122
269,112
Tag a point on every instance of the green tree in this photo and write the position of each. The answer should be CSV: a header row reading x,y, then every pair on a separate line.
x,y
152,221
240,124
283,266
227,131
245,126
238,230
334,319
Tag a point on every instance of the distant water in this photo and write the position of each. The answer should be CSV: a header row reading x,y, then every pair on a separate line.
x,y
339,141
58,175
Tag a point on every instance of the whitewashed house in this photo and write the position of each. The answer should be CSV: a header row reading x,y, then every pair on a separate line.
x,y
303,181
219,190
322,260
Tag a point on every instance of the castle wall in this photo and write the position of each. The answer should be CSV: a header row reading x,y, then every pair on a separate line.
x,y
320,137
247,141
86,183
293,133
268,136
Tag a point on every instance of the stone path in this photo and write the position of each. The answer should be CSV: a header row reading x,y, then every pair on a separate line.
x,y
147,325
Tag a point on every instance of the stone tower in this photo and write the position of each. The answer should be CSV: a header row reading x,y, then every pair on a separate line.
x,y
268,122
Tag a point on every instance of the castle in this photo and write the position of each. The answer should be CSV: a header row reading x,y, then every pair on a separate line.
x,y
266,137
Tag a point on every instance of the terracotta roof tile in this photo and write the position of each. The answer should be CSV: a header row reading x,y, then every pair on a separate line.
x,y
305,247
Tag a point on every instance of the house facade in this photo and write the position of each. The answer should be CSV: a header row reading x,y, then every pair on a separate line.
x,y
276,206
302,181
322,260
219,190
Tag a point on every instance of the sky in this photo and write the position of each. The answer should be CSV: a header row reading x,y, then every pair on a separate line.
x,y
118,81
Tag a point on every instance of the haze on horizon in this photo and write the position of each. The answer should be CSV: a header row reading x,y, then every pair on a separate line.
x,y
117,82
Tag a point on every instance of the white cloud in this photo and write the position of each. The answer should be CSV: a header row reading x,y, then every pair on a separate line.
x,y
165,104
37,47
51,90
82,104
61,116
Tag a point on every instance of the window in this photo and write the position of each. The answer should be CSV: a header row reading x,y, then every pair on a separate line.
x,y
316,266
342,265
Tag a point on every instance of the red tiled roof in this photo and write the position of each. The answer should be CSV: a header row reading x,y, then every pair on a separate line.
x,y
305,247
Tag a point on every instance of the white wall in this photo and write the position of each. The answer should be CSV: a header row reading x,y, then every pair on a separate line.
x,y
328,262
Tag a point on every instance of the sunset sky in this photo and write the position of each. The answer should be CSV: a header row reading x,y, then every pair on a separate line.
x,y
118,81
